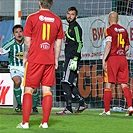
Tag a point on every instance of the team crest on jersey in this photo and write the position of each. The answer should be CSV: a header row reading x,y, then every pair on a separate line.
x,y
119,30
45,46
19,55
46,19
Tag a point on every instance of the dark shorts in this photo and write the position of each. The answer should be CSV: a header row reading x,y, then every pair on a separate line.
x,y
69,76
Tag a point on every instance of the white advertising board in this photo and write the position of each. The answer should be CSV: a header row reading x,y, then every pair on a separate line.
x,y
93,35
6,89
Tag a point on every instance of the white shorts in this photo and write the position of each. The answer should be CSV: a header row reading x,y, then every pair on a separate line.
x,y
16,71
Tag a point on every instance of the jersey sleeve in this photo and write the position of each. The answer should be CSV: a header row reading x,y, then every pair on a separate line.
x,y
28,27
107,34
78,39
127,40
7,45
60,34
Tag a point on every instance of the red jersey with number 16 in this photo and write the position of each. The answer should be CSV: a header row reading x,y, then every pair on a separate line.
x,y
44,27
119,39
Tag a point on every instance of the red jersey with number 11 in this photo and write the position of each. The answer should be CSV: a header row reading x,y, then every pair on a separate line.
x,y
44,27
119,39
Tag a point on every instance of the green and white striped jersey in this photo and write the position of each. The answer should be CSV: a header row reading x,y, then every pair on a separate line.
x,y
15,56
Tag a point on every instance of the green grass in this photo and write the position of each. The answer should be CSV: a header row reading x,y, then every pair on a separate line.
x,y
87,122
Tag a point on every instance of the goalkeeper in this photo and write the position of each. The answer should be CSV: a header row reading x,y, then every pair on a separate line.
x,y
73,46
15,56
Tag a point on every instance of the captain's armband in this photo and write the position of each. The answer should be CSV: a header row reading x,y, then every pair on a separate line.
x,y
108,39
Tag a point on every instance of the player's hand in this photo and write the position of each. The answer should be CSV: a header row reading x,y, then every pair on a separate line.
x,y
56,64
73,64
3,51
24,62
104,65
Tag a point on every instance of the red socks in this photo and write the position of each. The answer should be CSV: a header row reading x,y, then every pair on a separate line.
x,y
128,96
107,98
46,106
26,107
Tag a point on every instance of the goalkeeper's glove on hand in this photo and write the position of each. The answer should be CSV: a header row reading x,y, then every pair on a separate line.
x,y
73,64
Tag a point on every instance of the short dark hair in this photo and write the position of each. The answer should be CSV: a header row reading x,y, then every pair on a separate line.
x,y
17,26
46,4
73,9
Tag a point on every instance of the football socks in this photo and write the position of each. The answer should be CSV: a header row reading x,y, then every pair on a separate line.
x,y
34,99
26,107
128,96
17,94
107,98
46,106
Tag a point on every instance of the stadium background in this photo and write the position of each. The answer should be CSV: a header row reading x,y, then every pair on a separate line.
x,y
90,71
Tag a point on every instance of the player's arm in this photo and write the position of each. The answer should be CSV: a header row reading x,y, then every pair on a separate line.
x,y
3,51
106,50
127,44
108,40
27,43
126,48
78,38
6,46
106,53
58,44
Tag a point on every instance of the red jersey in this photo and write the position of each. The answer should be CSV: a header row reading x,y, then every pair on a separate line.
x,y
44,27
119,39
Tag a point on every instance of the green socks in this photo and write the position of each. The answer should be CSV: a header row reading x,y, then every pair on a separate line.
x,y
34,99
17,93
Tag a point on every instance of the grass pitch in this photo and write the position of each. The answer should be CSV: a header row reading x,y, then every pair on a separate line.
x,y
87,122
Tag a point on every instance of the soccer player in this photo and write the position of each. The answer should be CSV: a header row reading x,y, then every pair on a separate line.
x,y
73,46
43,37
15,46
114,62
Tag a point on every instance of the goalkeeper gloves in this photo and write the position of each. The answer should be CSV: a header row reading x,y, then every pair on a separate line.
x,y
73,64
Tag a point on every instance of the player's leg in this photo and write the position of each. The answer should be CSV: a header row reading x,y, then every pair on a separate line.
x,y
48,80
35,101
73,80
123,77
26,107
68,78
68,97
17,92
82,105
31,72
110,76
107,98
75,90
46,106
16,75
128,96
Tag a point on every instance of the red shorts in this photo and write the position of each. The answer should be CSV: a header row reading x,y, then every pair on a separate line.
x,y
117,70
39,73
